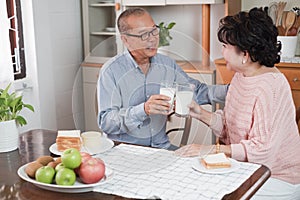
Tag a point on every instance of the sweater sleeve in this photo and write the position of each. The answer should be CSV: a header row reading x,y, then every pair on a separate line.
x,y
218,126
258,146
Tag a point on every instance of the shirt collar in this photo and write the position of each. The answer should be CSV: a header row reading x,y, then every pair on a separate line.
x,y
127,53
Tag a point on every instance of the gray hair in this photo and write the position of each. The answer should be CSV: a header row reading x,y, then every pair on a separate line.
x,y
123,26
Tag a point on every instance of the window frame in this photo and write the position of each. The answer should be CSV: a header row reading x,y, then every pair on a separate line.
x,y
14,12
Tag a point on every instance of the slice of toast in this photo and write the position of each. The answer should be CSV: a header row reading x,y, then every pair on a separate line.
x,y
68,139
215,161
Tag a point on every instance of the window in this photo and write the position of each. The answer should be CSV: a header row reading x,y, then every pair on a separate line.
x,y
16,38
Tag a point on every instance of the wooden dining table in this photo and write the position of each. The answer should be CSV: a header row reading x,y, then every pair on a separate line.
x,y
36,143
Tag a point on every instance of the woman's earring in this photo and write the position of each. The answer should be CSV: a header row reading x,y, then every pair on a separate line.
x,y
243,61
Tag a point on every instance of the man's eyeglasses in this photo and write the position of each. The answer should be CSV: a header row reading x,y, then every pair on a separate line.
x,y
146,35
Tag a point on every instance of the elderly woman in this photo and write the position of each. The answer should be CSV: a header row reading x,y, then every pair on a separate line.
x,y
258,121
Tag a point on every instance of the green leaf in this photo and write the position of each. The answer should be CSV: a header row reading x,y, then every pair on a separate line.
x,y
11,105
30,107
171,25
21,120
5,91
164,34
15,102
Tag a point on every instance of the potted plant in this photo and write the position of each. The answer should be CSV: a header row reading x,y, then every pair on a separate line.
x,y
10,107
164,33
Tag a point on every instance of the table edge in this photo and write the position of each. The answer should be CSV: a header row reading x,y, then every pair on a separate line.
x,y
258,180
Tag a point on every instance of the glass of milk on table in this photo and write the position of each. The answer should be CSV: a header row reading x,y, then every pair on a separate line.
x,y
184,96
168,89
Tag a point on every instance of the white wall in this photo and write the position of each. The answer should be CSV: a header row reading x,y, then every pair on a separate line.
x,y
53,46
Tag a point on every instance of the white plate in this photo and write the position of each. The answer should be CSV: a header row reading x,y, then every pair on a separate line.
x,y
76,188
107,144
110,29
197,165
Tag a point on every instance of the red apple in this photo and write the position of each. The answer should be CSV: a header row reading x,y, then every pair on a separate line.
x,y
92,170
84,157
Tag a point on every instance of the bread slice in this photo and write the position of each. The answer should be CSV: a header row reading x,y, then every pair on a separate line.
x,y
215,161
68,139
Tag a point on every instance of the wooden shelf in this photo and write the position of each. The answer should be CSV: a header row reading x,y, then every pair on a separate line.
x,y
103,33
102,4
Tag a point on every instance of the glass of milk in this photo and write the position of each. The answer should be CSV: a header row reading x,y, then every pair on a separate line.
x,y
184,96
169,90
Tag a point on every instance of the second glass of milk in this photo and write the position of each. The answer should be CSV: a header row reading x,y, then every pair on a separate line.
x,y
184,96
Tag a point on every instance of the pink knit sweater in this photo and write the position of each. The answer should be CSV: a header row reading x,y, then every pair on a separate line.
x,y
259,122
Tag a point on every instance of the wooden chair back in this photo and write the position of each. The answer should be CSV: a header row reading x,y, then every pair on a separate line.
x,y
186,130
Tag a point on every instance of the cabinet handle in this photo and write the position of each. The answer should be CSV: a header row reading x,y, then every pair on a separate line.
x,y
295,79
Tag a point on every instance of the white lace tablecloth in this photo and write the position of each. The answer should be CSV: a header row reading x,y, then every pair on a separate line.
x,y
145,173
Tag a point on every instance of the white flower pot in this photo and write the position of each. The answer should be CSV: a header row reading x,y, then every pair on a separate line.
x,y
9,136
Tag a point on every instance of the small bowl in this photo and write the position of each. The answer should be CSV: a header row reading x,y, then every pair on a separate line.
x,y
110,29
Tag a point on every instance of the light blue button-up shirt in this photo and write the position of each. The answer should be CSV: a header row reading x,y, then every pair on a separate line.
x,y
123,89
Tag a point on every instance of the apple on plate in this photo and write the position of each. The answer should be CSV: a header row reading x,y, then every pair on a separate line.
x,y
71,158
45,174
65,176
92,170
84,157
59,166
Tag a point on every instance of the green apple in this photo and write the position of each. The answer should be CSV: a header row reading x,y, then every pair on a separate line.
x,y
65,176
45,174
59,166
71,158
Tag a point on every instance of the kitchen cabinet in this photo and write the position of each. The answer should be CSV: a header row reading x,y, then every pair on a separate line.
x,y
143,3
90,74
101,40
290,70
168,2
99,29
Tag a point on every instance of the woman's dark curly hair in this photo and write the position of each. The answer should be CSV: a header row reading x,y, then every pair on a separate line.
x,y
252,32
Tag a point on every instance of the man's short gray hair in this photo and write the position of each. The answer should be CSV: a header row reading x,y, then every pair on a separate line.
x,y
123,26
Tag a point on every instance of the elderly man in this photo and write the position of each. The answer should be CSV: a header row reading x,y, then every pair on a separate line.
x,y
131,109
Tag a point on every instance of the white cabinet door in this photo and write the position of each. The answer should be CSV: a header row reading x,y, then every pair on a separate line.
x,y
90,77
143,3
195,2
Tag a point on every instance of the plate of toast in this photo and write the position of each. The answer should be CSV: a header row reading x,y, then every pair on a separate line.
x,y
215,164
92,142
